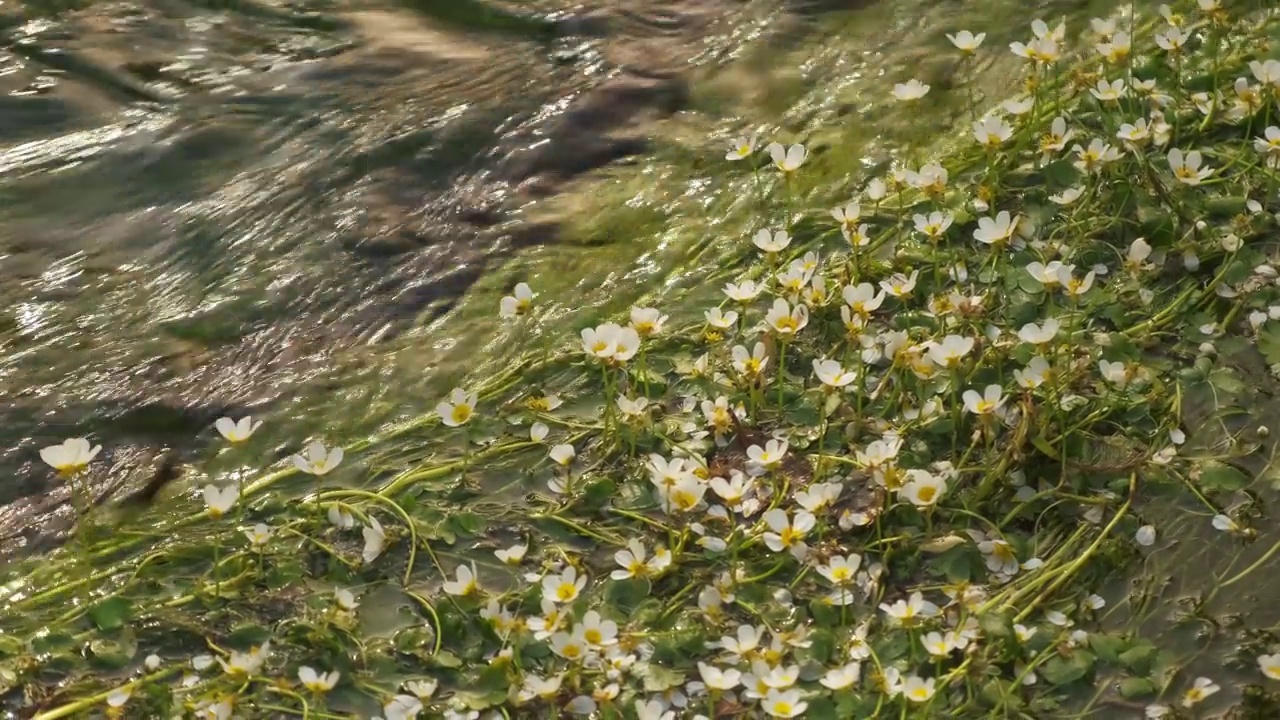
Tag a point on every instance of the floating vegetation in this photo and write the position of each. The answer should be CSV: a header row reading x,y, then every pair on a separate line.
x,y
889,474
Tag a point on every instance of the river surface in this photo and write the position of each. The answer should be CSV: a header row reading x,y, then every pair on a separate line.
x,y
211,208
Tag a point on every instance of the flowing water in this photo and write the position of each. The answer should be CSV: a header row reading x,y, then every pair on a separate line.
x,y
307,211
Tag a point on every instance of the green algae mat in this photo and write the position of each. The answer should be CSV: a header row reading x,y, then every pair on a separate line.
x,y
987,438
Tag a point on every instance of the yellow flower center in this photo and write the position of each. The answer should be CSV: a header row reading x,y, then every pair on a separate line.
x,y
927,493
593,636
599,346
920,693
782,707
571,651
636,568
840,574
751,366
788,536
460,414
566,592
684,500
786,325
985,406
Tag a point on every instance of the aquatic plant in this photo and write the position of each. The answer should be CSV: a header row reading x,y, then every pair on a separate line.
x,y
889,473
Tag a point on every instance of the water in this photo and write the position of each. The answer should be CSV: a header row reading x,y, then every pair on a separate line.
x,y
216,209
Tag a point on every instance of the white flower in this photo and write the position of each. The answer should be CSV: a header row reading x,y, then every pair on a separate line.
x,y
848,215
316,682
907,612
1270,665
966,41
1040,334
562,454
538,432
768,456
999,556
402,707
466,583
565,587
1109,91
259,535
340,518
1118,49
72,456
995,230
718,679
647,321
831,374
374,539
219,501
1034,375
991,132
570,646
611,343
237,431
924,488
152,662
345,599
741,148
743,292
933,225
1146,535
1187,169
717,318
1203,688
787,159
1068,196
1225,523
841,570
1056,139
951,351
246,663
422,689
910,90
1018,106
788,534
918,690
459,408
1172,39
317,460
784,704
512,555
899,285
841,677
785,320
118,697
776,241
653,710
516,304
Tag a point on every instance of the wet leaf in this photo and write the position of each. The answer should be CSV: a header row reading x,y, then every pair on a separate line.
x,y
1065,670
1221,477
111,613
1136,687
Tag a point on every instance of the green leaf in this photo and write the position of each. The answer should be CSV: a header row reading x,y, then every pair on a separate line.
x,y
110,614
1065,670
1139,657
1220,476
659,679
248,635
1136,687
1108,647
995,625
446,659
598,494
822,708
